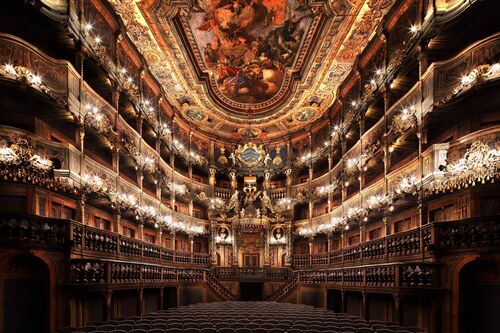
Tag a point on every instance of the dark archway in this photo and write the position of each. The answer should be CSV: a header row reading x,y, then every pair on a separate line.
x,y
26,295
480,297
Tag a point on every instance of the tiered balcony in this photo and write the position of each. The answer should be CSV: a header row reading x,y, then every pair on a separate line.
x,y
87,243
420,244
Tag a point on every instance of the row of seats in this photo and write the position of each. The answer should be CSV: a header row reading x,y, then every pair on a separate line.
x,y
244,317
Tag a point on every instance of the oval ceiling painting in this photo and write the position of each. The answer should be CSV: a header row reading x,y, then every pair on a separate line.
x,y
247,45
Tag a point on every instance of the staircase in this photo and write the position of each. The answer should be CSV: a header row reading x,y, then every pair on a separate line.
x,y
285,289
219,289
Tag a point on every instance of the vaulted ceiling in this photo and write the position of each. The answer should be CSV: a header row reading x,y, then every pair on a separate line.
x,y
243,69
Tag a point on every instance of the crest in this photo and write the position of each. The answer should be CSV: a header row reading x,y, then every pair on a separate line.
x,y
250,155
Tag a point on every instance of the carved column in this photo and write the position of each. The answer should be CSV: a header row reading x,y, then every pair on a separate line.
x,y
213,244
386,225
289,182
173,235
234,183
81,211
289,245
212,152
159,235
140,177
211,180
191,246
397,309
311,243
234,231
81,136
172,165
266,246
141,230
362,231
115,159
364,305
140,301
108,312
330,193
117,217
190,207
387,159
267,180
191,243
139,124
329,246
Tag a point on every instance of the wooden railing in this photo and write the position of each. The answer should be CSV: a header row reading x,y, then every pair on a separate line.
x,y
251,273
286,288
411,245
95,271
87,242
219,289
411,275
384,275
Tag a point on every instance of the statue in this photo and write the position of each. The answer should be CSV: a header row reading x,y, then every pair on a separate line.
x,y
234,203
232,157
267,159
266,203
251,197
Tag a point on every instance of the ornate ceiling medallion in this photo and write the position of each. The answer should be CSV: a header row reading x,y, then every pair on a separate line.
x,y
249,132
304,114
194,113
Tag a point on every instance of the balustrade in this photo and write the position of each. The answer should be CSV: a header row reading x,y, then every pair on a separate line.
x,y
251,273
414,244
114,272
83,240
30,229
216,286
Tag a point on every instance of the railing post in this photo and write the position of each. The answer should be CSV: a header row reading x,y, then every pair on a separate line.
x,y
84,233
108,272
386,248
397,272
421,240
434,240
118,242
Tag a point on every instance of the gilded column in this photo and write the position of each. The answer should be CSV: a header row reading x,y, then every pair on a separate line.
x,y
288,235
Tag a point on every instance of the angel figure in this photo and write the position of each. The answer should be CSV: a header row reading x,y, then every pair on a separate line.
x,y
232,157
266,202
267,158
233,201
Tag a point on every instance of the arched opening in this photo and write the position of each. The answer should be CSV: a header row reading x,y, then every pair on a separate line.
x,y
26,301
479,297
218,259
283,260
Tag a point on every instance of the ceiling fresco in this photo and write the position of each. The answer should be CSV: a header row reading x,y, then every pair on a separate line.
x,y
249,45
246,69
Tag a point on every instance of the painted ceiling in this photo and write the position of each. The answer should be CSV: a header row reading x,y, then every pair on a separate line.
x,y
243,69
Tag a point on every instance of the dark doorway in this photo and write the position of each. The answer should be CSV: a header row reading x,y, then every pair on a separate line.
x,y
169,297
26,296
251,291
334,300
479,297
